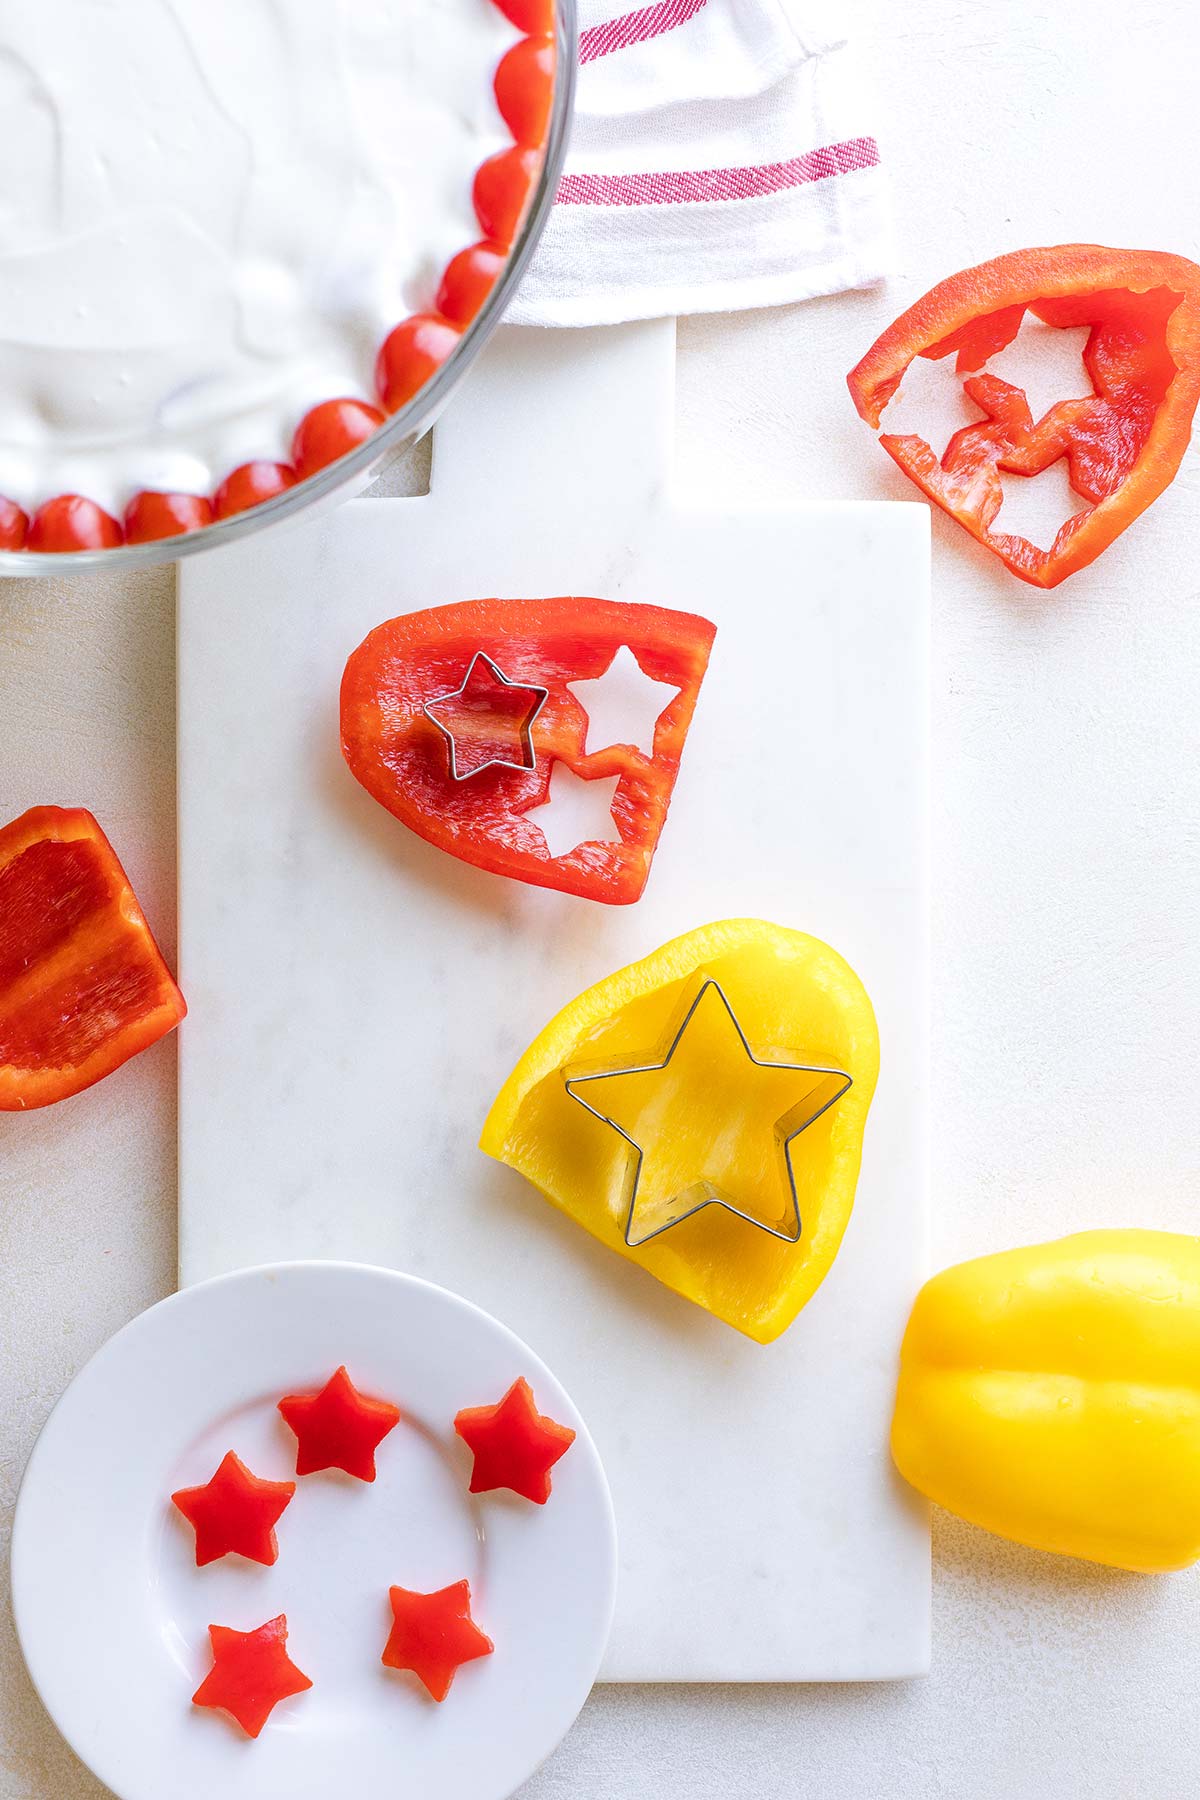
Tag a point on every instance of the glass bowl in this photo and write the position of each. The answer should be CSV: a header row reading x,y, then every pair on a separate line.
x,y
352,472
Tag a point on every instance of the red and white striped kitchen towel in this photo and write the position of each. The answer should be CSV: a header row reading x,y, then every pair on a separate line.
x,y
720,159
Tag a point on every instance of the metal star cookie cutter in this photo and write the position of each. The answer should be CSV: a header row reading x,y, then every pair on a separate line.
x,y
797,1119
529,754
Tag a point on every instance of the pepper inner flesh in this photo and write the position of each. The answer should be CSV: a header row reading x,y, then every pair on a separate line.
x,y
1101,435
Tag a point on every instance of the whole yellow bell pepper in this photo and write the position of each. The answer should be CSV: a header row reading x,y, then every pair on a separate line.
x,y
1052,1395
656,1066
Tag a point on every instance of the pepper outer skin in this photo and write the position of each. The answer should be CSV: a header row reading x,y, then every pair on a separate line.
x,y
83,985
1123,443
789,992
1052,1395
400,757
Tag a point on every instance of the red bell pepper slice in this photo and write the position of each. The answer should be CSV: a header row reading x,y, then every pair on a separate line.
x,y
1123,443
400,755
338,1428
83,986
433,1635
513,1444
251,1673
235,1513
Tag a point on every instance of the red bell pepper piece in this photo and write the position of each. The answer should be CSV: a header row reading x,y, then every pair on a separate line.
x,y
235,1513
433,1635
400,755
1123,443
83,986
339,1428
514,1445
251,1673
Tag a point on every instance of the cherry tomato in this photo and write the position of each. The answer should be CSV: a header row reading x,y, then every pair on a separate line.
x,y
525,89
71,522
410,355
250,485
502,186
152,515
331,429
530,16
14,525
468,281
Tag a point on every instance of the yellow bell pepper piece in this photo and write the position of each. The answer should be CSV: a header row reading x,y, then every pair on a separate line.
x,y
713,1120
1052,1395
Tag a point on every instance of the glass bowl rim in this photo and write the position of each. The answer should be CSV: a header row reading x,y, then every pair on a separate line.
x,y
405,426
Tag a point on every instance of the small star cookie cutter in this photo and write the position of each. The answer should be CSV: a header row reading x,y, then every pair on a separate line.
x,y
528,753
797,1119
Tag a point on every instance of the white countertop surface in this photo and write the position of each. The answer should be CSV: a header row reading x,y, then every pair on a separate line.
x,y
1067,966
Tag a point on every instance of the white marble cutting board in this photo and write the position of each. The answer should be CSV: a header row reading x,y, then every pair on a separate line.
x,y
357,997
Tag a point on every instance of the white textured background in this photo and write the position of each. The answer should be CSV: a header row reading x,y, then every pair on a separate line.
x,y
1067,995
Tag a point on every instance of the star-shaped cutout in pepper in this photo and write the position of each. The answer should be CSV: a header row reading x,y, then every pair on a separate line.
x,y
433,1635
487,721
235,1513
514,1445
339,1428
623,705
710,1123
251,1673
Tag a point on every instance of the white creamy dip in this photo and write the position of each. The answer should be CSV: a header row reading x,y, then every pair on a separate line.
x,y
211,214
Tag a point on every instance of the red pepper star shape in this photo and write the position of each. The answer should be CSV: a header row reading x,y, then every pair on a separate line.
x,y
433,1635
235,1513
251,1673
514,1445
487,720
339,1428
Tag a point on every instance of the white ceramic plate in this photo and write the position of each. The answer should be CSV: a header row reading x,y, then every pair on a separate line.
x,y
113,1614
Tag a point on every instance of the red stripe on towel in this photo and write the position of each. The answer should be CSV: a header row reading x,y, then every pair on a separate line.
x,y
636,27
682,187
